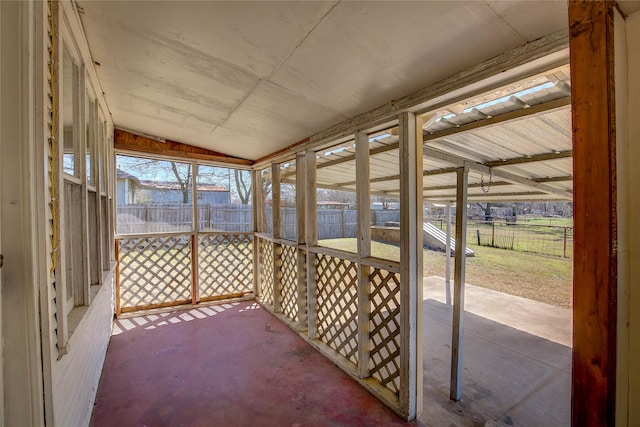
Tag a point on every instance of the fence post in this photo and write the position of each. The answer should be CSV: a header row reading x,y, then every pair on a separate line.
x,y
493,234
564,251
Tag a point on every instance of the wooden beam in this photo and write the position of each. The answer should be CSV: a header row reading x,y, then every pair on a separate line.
x,y
411,212
530,159
595,242
364,251
496,120
455,391
128,141
507,176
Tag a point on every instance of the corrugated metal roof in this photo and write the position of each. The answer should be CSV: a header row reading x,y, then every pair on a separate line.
x,y
523,131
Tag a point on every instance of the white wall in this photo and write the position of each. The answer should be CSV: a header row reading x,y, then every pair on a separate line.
x,y
71,379
630,235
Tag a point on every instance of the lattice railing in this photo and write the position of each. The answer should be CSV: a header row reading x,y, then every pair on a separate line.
x,y
225,264
154,271
384,341
289,281
337,305
266,271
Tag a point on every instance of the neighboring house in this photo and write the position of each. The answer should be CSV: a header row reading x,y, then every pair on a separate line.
x,y
126,185
171,192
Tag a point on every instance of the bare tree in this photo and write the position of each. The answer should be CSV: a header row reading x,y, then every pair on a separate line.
x,y
243,185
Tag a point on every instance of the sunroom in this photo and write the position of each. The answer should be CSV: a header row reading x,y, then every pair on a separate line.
x,y
170,183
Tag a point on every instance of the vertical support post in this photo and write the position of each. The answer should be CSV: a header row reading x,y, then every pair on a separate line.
x,y
277,248
194,269
195,225
411,223
311,237
493,233
447,252
564,246
257,215
301,239
82,290
364,251
455,392
117,298
595,258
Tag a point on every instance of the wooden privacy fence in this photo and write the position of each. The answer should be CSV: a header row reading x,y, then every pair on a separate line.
x,y
163,218
161,270
316,291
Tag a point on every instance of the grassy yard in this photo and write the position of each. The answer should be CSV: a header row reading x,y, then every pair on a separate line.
x,y
538,277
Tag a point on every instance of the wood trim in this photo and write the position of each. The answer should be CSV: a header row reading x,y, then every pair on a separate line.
x,y
591,41
411,211
124,140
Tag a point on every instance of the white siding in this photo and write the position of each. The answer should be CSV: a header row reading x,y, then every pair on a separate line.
x,y
77,374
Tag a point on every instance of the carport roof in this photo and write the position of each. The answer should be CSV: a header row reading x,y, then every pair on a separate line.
x,y
515,140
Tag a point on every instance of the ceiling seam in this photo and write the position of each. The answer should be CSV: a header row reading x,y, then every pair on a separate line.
x,y
503,19
277,67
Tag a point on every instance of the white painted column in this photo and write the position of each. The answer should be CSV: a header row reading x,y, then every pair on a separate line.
x,y
311,237
275,226
455,392
257,216
301,239
411,217
364,251
447,253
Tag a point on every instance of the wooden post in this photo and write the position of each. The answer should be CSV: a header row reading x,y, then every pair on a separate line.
x,y
411,232
564,246
277,249
455,392
311,237
301,238
194,269
257,214
364,251
447,252
117,298
195,225
591,41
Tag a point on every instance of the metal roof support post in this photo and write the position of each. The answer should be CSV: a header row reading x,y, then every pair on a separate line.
x,y
411,217
455,392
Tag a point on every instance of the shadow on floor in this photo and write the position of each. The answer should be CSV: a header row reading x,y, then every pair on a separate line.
x,y
510,377
226,365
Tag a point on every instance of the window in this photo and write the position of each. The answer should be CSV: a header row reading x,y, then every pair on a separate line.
x,y
69,110
224,199
153,196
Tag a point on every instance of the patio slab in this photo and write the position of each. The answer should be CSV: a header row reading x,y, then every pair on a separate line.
x,y
516,360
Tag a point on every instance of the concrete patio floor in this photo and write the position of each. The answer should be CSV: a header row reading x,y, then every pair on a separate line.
x,y
237,365
516,360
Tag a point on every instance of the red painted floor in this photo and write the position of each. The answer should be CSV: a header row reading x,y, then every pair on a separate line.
x,y
232,365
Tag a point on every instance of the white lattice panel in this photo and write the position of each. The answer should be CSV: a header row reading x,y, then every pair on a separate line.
x,y
337,304
384,341
154,270
225,263
289,281
266,271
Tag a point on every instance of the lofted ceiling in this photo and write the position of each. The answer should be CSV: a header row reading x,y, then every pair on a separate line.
x,y
249,78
